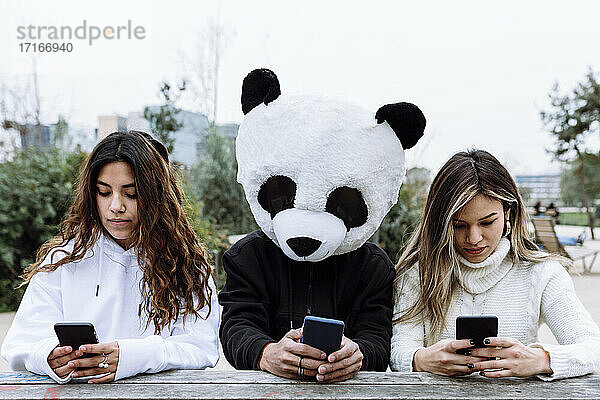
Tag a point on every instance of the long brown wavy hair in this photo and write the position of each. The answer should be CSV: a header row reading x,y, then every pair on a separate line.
x,y
431,246
175,269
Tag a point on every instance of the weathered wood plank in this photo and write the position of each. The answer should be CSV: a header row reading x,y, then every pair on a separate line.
x,y
256,377
459,390
209,384
217,377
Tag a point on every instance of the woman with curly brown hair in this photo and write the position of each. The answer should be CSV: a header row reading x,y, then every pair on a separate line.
x,y
127,260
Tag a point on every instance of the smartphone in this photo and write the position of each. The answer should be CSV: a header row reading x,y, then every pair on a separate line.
x,y
76,334
323,333
477,328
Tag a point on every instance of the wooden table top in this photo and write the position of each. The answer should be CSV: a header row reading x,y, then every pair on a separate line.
x,y
210,384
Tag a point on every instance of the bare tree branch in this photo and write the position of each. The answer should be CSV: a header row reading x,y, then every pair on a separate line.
x,y
201,67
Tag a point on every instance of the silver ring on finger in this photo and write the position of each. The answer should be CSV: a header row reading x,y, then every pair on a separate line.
x,y
104,363
300,362
300,371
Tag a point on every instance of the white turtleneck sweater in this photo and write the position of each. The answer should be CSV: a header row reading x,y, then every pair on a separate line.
x,y
103,288
523,297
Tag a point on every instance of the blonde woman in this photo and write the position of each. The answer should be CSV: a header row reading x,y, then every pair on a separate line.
x,y
471,255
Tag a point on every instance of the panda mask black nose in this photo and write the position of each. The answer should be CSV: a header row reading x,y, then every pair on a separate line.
x,y
303,246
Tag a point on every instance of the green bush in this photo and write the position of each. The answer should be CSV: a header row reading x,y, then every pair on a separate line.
x,y
401,221
10,296
213,238
212,181
37,189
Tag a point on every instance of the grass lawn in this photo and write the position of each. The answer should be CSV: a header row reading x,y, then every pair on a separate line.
x,y
576,218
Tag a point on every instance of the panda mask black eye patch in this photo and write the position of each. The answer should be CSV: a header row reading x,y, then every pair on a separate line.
x,y
277,194
348,205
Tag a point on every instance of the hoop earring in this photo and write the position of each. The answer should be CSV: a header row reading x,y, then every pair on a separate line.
x,y
507,228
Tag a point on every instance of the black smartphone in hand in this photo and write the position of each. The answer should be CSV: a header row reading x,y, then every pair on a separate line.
x,y
323,333
476,328
76,334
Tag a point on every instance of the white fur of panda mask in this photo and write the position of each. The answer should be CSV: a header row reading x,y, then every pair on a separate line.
x,y
320,175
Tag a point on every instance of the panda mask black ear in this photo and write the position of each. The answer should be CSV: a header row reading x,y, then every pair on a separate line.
x,y
406,120
259,86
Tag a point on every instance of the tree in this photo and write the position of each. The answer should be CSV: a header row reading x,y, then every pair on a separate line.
x,y
401,221
569,183
163,122
573,118
213,182
20,104
525,193
60,134
202,65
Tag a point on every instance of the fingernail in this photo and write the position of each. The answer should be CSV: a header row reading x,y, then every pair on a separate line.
x,y
320,377
472,342
82,348
323,355
487,341
331,358
70,364
69,349
78,353
468,353
481,373
322,369
75,375
470,366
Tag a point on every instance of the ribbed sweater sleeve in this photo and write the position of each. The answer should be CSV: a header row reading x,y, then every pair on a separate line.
x,y
407,337
578,351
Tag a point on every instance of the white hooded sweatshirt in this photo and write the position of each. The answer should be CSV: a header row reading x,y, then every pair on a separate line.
x,y
104,289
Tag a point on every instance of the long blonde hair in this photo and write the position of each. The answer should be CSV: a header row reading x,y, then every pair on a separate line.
x,y
464,176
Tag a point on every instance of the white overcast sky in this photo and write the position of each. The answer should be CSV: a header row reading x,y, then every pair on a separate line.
x,y
479,70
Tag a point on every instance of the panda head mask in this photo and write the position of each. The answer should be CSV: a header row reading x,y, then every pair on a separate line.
x,y
320,175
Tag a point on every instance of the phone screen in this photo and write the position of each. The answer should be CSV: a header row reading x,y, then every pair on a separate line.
x,y
477,328
323,333
76,334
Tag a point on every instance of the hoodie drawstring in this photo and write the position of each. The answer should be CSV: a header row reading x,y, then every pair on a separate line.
x,y
100,262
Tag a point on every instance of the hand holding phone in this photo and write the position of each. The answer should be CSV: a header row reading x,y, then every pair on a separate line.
x,y
344,358
342,364
290,358
98,361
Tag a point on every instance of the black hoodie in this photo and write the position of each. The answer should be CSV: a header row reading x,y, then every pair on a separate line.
x,y
262,282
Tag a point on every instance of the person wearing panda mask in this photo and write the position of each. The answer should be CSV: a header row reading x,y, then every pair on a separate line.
x,y
320,175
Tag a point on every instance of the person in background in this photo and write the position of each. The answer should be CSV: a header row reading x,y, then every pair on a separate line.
x,y
552,211
537,208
